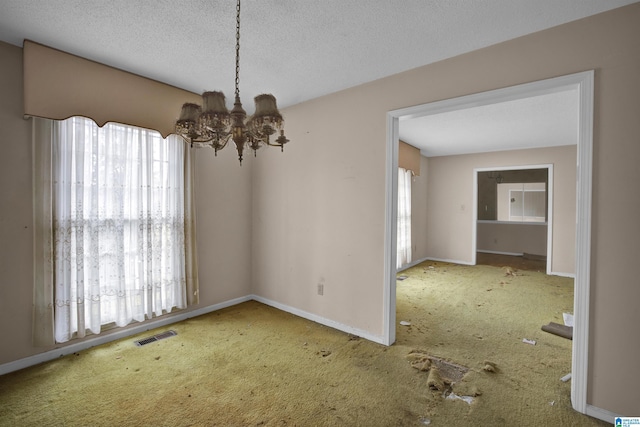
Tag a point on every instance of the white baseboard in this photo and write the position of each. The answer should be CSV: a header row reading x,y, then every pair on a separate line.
x,y
319,319
552,273
561,274
123,333
411,264
26,362
500,253
601,414
168,320
452,261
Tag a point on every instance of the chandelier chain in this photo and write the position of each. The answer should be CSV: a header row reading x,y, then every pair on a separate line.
x,y
213,125
238,49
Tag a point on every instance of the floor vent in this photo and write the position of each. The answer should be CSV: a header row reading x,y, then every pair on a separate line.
x,y
155,338
450,372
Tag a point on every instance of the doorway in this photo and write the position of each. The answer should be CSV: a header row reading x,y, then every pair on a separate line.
x,y
583,83
514,211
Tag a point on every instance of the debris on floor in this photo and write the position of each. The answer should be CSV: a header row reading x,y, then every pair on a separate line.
x,y
512,360
415,355
566,378
423,366
405,323
442,375
450,372
528,341
563,331
419,361
434,380
489,366
568,319
508,271
467,386
453,396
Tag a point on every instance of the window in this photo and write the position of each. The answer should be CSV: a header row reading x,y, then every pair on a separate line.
x,y
404,218
121,228
522,202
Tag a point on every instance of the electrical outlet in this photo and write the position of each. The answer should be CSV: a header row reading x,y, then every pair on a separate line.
x,y
320,289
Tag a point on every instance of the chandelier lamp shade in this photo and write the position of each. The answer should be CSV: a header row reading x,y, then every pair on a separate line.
x,y
212,125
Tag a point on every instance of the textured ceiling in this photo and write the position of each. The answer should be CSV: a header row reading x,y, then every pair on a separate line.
x,y
540,121
295,49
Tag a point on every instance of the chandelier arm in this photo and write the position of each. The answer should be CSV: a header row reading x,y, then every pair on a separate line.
x,y
273,144
217,145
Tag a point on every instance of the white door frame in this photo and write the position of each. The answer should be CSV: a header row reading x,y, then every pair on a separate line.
x,y
583,83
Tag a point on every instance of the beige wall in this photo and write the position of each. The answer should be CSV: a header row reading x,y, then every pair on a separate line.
x,y
450,205
223,214
16,236
317,216
223,209
319,210
512,238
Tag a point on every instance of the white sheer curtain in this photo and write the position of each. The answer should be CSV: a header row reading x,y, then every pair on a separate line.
x,y
121,225
404,218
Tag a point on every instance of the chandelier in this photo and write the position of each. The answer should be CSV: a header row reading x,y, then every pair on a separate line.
x,y
212,125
